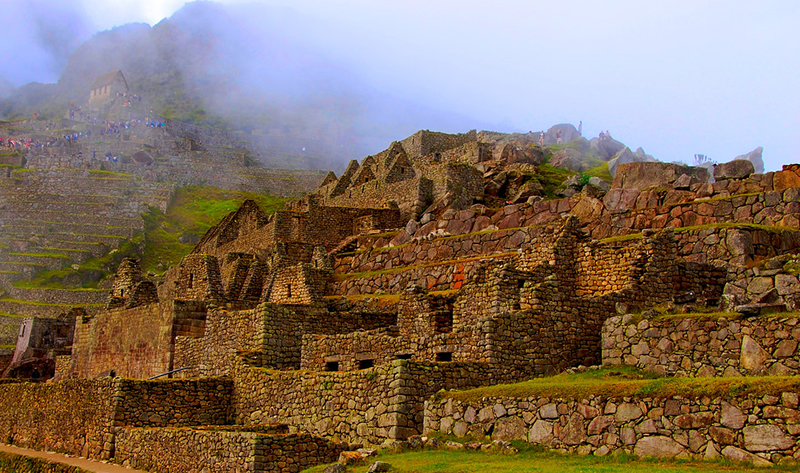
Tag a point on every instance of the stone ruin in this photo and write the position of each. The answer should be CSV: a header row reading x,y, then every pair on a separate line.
x,y
342,314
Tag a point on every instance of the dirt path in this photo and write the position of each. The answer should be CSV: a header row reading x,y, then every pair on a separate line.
x,y
90,465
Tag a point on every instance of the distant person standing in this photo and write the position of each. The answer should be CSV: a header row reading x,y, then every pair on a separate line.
x,y
541,139
559,136
580,128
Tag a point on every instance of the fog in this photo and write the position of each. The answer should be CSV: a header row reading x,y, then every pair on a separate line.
x,y
676,78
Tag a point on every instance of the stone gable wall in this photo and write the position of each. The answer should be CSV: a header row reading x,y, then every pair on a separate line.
x,y
131,342
759,429
695,346
136,343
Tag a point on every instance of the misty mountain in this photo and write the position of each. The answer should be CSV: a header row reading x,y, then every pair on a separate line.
x,y
248,68
6,87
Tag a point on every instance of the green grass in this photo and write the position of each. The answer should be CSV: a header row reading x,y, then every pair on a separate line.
x,y
44,304
193,211
709,226
109,173
40,255
535,459
551,178
366,274
623,381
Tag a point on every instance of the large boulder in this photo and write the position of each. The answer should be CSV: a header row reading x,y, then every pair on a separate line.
x,y
571,159
736,169
142,157
607,148
568,133
642,176
626,156
755,158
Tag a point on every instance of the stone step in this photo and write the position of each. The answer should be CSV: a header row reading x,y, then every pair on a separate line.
x,y
49,217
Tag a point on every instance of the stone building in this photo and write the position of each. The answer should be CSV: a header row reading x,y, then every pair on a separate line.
x,y
106,87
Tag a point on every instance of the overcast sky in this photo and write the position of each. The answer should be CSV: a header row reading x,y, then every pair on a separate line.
x,y
675,77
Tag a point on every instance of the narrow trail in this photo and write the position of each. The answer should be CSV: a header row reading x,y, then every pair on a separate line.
x,y
86,464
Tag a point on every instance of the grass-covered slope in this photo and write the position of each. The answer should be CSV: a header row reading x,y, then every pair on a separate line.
x,y
168,237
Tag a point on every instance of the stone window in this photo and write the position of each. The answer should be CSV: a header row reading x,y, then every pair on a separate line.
x,y
22,330
191,281
332,366
403,356
289,291
444,356
443,321
520,283
364,364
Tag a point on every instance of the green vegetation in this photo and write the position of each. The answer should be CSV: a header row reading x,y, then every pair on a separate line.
x,y
109,173
600,171
551,178
537,459
625,381
45,304
193,211
41,255
709,226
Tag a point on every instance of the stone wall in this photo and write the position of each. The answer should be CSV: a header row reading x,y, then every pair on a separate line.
x,y
267,336
697,346
759,429
370,405
173,403
212,451
137,343
74,417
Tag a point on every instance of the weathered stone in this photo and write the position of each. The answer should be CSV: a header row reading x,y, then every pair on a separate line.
x,y
541,433
627,411
509,428
753,357
548,411
736,169
737,454
766,437
574,432
658,446
732,416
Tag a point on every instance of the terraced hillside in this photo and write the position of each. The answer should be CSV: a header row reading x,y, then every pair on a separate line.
x,y
75,189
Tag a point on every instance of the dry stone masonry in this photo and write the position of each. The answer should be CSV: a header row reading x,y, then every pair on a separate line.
x,y
440,263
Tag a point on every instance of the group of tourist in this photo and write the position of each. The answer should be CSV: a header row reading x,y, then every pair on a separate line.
x,y
604,136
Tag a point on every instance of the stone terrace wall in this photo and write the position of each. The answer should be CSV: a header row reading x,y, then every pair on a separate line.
x,y
695,346
74,417
189,451
759,429
173,403
369,406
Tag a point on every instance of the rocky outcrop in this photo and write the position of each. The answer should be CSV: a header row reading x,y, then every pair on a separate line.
x,y
755,158
736,169
647,175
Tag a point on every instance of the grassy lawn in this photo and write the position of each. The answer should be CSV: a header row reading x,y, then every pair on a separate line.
x,y
537,460
629,381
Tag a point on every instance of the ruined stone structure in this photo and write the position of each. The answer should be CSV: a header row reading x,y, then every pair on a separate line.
x,y
340,315
106,87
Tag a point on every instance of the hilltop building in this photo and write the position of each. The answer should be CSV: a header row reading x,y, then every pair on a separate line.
x,y
107,86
